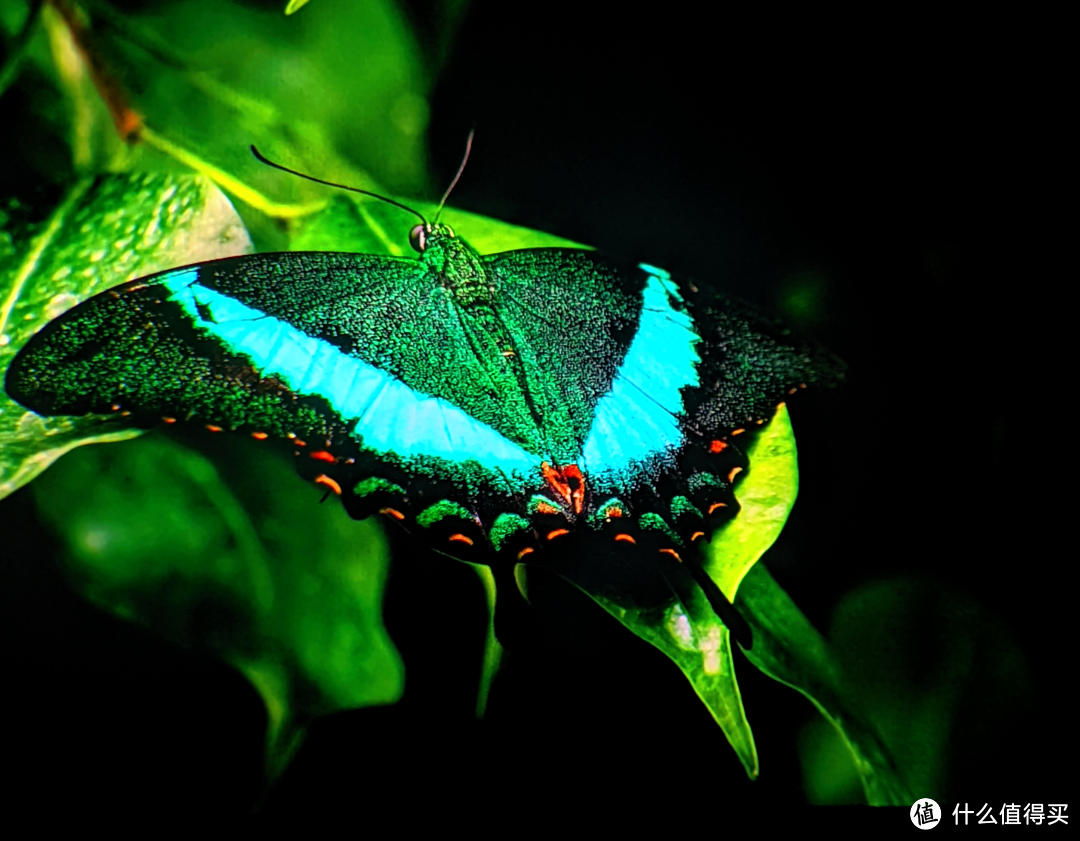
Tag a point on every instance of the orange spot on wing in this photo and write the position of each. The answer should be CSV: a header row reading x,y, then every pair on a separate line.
x,y
300,443
735,471
213,428
322,455
717,446
327,482
673,554
259,436
738,431
716,505
169,420
557,533
392,512
461,538
792,390
545,508
625,537
696,535
115,407
613,511
528,550
567,482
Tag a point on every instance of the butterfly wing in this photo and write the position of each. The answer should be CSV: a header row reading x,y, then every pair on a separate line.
x,y
207,343
290,345
632,365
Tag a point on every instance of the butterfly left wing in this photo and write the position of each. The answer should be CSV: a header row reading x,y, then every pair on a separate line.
x,y
289,345
147,348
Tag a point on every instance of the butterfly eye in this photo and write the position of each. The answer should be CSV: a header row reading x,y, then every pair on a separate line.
x,y
418,238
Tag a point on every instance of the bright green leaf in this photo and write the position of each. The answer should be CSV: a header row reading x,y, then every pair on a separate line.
x,y
246,566
103,232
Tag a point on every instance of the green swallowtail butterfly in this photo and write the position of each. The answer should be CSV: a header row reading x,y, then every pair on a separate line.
x,y
545,405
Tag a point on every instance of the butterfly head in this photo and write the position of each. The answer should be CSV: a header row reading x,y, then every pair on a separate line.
x,y
426,234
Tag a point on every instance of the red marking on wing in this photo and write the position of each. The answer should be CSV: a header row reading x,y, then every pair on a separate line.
x,y
716,505
326,481
460,538
738,431
625,537
392,512
213,428
557,533
545,508
735,471
259,436
673,554
717,446
322,455
567,482
696,535
528,550
169,420
614,511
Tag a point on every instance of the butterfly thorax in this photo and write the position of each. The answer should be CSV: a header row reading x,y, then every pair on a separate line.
x,y
458,266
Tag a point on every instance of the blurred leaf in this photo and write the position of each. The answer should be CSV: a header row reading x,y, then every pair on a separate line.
x,y
787,648
928,700
294,6
247,567
212,78
103,232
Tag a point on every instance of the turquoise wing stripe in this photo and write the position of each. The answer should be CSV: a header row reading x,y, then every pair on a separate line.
x,y
392,419
639,418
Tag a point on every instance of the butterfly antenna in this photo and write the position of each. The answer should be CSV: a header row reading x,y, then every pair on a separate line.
x,y
460,169
263,159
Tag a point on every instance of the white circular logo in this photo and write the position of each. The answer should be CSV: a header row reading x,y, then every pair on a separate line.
x,y
925,813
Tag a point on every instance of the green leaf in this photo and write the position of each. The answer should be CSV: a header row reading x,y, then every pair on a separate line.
x,y
103,232
239,562
766,495
369,226
372,90
787,648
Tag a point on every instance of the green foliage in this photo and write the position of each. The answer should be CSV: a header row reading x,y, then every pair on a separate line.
x,y
102,232
287,591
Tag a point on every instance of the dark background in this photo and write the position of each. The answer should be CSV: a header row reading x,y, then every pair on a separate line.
x,y
874,180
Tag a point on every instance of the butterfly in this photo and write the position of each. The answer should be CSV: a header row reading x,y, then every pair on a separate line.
x,y
543,405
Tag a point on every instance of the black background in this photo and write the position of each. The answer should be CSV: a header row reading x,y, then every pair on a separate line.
x,y
892,164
